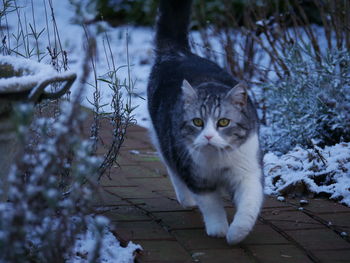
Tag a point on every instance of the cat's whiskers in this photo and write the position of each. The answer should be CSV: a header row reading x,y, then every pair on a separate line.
x,y
194,151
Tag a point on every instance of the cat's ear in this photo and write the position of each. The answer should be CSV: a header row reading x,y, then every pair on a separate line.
x,y
188,91
238,95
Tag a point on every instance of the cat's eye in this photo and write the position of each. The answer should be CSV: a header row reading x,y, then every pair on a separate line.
x,y
223,122
198,122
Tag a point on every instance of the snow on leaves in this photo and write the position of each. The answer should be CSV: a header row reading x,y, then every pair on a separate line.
x,y
304,171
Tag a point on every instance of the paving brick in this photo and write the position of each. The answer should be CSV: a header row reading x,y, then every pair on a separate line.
x,y
103,209
103,198
145,157
181,220
197,239
278,254
163,251
145,230
139,172
167,193
139,135
124,160
155,165
287,219
322,206
133,143
159,204
272,202
220,255
333,256
275,213
264,234
116,180
156,184
136,129
341,220
132,192
127,213
319,238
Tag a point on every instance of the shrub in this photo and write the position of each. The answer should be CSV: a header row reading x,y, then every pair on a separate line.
x,y
311,102
54,179
45,214
143,12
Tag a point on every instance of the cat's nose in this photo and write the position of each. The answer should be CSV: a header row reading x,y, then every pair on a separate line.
x,y
208,137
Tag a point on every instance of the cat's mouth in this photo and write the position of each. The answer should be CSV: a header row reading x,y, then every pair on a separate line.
x,y
210,146
213,147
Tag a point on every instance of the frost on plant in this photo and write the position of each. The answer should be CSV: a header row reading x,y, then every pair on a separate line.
x,y
50,189
54,181
311,102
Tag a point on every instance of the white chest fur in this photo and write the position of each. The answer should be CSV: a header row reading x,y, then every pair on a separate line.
x,y
242,161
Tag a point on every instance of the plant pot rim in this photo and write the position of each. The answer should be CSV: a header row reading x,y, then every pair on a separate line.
x,y
35,73
31,85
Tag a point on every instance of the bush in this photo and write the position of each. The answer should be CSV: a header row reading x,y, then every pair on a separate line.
x,y
39,223
311,102
52,185
143,12
123,11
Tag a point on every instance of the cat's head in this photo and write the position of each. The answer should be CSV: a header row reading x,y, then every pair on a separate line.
x,y
214,116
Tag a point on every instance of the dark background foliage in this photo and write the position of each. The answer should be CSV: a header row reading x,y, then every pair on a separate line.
x,y
140,12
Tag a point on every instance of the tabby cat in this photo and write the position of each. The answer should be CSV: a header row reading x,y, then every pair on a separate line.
x,y
205,128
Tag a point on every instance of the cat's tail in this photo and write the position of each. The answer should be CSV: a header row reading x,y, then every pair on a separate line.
x,y
172,25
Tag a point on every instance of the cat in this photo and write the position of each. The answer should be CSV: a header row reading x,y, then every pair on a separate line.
x,y
205,128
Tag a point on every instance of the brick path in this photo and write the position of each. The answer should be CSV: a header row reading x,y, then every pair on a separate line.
x,y
141,203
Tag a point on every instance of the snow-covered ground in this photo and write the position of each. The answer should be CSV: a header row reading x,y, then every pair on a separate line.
x,y
111,250
310,171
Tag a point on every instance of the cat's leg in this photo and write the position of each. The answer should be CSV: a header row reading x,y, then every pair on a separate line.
x,y
214,214
248,191
183,194
248,199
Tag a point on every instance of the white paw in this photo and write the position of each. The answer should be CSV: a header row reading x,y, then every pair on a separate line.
x,y
187,201
218,229
236,233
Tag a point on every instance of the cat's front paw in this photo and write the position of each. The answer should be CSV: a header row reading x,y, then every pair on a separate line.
x,y
218,229
187,201
236,233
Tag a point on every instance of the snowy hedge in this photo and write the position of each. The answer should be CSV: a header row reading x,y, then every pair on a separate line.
x,y
311,102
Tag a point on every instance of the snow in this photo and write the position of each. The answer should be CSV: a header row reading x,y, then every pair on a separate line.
x,y
33,72
135,152
317,171
281,198
344,234
303,202
111,250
